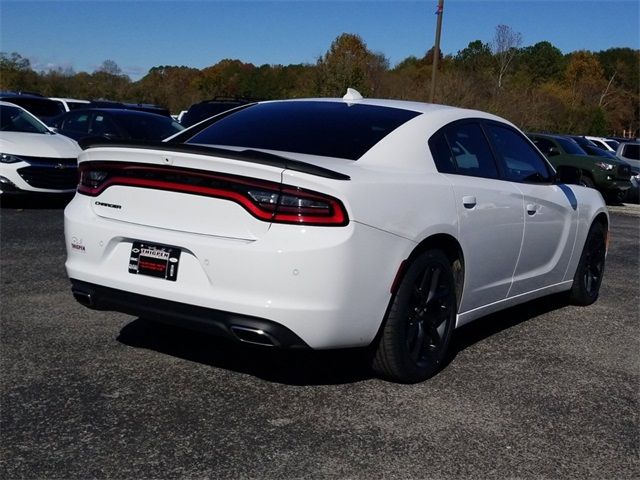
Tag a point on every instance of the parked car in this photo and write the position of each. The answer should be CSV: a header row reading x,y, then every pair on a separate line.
x,y
630,153
606,144
591,148
42,107
331,223
200,111
608,175
115,124
70,103
33,159
140,107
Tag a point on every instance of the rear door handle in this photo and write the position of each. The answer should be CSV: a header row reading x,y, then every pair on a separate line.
x,y
469,201
532,209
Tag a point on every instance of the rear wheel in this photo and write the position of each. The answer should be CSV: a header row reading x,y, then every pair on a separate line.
x,y
420,321
588,276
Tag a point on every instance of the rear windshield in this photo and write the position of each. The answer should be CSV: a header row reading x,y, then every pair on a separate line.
x,y
632,151
331,129
570,146
149,127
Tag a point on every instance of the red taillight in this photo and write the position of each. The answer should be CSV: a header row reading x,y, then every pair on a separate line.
x,y
268,201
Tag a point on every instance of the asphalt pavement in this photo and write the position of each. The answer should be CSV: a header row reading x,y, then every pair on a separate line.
x,y
543,390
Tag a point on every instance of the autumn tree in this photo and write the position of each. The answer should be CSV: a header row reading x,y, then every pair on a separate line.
x,y
16,73
108,82
349,63
173,87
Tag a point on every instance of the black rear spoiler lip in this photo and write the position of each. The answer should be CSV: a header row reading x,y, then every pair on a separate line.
x,y
247,155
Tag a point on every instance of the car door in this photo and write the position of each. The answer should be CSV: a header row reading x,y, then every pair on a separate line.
x,y
550,211
490,212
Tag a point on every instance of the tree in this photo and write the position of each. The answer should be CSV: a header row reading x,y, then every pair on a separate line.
x,y
505,47
540,63
110,67
348,63
475,57
16,73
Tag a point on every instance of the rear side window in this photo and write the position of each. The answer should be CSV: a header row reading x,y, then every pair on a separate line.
x,y
631,151
331,129
521,161
442,154
546,146
471,151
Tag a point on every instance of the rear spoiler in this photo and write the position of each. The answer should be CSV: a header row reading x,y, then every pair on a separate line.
x,y
247,155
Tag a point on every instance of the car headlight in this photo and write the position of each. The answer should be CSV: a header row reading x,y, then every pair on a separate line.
x,y
8,158
605,166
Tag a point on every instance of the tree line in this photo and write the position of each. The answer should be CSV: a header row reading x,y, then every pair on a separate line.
x,y
537,87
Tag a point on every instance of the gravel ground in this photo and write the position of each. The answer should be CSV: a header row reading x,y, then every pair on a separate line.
x,y
543,390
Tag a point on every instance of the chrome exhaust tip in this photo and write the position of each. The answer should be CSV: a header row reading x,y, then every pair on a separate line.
x,y
254,336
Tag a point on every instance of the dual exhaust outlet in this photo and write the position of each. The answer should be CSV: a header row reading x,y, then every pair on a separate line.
x,y
254,336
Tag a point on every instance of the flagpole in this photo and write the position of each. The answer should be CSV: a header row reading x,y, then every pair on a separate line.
x,y
436,49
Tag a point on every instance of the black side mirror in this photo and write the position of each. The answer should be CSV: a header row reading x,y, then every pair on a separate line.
x,y
567,174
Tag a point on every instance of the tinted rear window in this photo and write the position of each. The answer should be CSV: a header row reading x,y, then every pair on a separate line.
x,y
332,129
148,127
632,151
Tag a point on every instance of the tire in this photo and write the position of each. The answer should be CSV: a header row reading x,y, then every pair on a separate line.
x,y
588,276
587,182
420,321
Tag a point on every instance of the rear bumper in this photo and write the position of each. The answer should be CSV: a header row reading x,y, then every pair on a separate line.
x,y
329,286
234,326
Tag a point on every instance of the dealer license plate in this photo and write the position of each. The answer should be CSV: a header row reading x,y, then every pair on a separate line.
x,y
154,260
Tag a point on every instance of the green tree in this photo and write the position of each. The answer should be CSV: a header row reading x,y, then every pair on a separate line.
x,y
16,73
540,63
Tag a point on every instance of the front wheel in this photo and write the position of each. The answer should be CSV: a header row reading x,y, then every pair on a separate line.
x,y
420,321
588,276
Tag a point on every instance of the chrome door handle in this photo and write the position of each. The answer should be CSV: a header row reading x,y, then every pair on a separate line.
x,y
469,201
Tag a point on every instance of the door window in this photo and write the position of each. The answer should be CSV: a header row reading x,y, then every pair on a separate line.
x,y
471,150
522,163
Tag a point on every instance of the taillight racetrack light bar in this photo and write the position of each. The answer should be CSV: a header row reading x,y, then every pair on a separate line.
x,y
265,200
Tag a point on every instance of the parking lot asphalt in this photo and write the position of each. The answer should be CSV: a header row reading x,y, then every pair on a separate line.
x,y
543,390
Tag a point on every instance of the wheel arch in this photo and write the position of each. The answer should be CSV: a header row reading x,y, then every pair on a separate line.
x,y
451,248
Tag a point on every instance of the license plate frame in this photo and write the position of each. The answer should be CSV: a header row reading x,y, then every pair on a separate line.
x,y
154,260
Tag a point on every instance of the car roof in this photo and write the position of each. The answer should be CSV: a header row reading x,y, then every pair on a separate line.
x,y
117,112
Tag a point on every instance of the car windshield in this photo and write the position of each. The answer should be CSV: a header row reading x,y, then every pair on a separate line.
x,y
149,127
570,146
330,129
14,119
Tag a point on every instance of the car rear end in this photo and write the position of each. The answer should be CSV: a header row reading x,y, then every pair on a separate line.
x,y
241,247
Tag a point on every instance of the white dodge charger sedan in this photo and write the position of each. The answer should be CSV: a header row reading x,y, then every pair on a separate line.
x,y
331,223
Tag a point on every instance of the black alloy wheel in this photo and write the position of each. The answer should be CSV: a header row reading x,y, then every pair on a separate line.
x,y
420,321
588,276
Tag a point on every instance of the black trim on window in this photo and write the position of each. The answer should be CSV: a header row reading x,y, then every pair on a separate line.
x,y
443,165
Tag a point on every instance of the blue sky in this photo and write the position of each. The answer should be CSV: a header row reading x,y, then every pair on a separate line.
x,y
138,35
